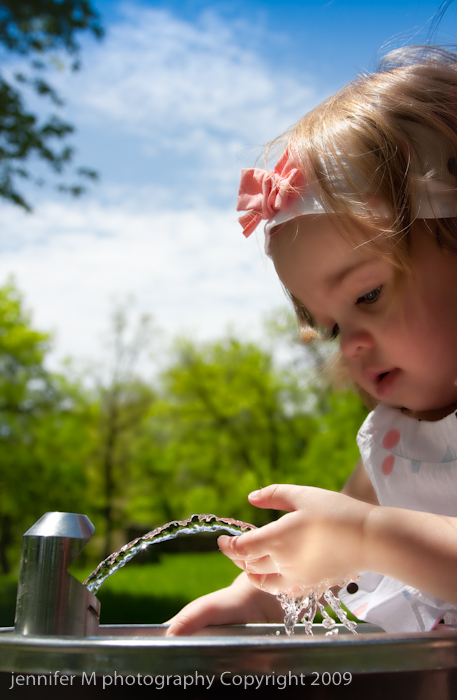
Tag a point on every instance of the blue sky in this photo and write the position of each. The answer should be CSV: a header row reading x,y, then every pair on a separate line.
x,y
168,107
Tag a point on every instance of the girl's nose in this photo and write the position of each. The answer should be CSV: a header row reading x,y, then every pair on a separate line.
x,y
354,341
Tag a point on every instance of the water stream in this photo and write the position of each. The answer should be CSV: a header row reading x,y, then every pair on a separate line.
x,y
304,606
191,526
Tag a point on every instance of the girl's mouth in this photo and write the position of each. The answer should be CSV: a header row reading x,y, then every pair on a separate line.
x,y
384,381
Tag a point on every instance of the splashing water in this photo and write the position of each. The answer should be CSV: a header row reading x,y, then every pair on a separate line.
x,y
305,606
308,605
191,526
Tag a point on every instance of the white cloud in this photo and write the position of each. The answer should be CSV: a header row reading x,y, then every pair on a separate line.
x,y
192,270
195,97
186,87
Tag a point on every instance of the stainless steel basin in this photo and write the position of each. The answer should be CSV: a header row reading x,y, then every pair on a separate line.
x,y
417,666
144,649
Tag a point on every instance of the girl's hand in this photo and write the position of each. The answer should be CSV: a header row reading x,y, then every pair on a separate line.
x,y
239,603
321,539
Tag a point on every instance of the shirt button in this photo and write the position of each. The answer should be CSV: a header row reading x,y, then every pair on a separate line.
x,y
352,587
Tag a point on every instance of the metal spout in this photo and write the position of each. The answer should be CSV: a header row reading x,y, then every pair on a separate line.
x,y
50,601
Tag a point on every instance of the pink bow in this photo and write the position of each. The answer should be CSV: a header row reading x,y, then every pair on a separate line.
x,y
266,192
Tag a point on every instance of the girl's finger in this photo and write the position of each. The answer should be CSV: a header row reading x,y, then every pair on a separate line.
x,y
225,544
272,583
213,609
278,497
264,565
252,545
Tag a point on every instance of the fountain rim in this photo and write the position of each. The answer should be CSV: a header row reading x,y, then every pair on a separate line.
x,y
371,652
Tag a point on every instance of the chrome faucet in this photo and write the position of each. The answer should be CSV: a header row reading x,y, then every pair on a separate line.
x,y
50,601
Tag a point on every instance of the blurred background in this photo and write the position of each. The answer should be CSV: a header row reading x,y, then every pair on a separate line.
x,y
149,365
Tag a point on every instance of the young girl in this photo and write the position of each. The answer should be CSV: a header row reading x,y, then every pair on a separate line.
x,y
361,213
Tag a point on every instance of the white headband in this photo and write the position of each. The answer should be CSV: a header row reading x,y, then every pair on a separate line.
x,y
283,194
434,199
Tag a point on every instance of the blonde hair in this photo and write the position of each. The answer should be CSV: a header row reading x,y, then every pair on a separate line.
x,y
365,144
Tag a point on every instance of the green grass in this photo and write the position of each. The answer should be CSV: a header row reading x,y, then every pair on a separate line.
x,y
152,593
194,574
147,593
8,586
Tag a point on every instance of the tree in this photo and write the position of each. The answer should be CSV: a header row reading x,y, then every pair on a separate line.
x,y
332,451
123,400
227,422
43,430
36,30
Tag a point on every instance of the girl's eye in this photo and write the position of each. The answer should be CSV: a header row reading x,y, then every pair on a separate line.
x,y
371,297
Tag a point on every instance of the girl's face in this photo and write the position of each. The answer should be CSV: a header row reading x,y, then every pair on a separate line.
x,y
398,337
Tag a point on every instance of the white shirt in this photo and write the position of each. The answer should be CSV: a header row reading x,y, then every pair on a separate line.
x,y
412,464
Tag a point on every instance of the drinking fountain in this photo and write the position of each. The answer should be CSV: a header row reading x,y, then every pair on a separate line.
x,y
50,601
58,648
